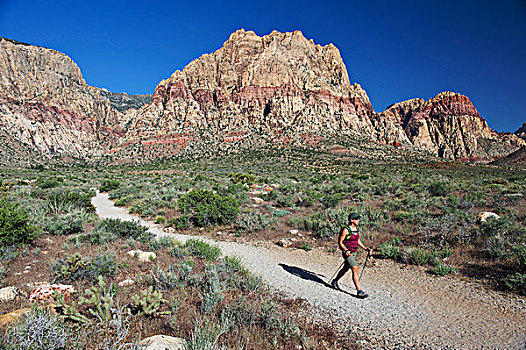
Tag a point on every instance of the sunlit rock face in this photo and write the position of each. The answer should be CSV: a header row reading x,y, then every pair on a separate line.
x,y
449,126
278,83
46,104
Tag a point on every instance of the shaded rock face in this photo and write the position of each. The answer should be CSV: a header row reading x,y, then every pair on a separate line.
x,y
521,132
121,101
46,104
447,126
278,83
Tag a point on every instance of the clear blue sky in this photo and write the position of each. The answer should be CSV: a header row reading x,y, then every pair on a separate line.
x,y
395,49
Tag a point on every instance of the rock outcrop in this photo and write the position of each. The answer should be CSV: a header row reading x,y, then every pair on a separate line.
x,y
447,126
121,101
521,132
279,83
46,104
279,90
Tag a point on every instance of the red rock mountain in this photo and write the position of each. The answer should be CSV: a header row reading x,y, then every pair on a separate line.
x,y
254,91
46,105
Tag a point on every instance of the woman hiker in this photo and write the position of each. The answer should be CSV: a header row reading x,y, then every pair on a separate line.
x,y
348,242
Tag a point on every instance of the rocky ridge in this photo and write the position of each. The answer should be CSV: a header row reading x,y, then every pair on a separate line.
x,y
521,132
122,101
45,103
280,90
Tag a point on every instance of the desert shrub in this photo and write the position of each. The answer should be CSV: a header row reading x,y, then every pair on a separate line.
x,y
515,282
74,267
162,242
14,224
324,223
416,256
161,219
307,201
46,182
390,249
109,229
280,213
102,265
206,334
519,254
242,178
438,188
207,208
284,201
67,224
109,185
253,220
332,200
165,279
202,249
78,198
442,269
181,223
36,330
306,247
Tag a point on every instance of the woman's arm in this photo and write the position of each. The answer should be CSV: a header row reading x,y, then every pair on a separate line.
x,y
343,233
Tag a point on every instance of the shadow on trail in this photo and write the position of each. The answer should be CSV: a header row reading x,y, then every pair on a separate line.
x,y
310,276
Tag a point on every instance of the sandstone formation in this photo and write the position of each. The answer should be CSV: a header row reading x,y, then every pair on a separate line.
x,y
278,83
521,132
46,104
280,90
448,126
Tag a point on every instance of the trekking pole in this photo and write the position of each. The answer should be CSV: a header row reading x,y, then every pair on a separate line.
x,y
364,264
339,268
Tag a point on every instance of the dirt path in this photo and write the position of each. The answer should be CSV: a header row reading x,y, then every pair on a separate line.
x,y
407,308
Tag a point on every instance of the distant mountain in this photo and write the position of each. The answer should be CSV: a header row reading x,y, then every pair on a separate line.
x,y
121,101
280,90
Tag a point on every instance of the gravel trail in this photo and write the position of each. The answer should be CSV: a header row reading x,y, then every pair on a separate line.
x,y
407,308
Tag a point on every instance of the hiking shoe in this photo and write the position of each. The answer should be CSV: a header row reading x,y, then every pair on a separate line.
x,y
361,294
335,285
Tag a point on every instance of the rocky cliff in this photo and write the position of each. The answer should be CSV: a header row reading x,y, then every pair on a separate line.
x,y
521,132
447,126
46,104
279,90
279,83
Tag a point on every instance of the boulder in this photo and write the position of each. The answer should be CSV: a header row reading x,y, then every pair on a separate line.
x,y
484,216
163,342
46,291
12,317
143,256
8,293
126,283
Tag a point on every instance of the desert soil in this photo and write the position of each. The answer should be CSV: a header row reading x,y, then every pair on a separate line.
x,y
407,307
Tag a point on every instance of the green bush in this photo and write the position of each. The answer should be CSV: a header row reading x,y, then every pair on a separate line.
x,y
109,185
390,249
202,249
438,189
14,224
208,208
516,282
253,220
45,182
416,256
109,229
443,269
67,224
